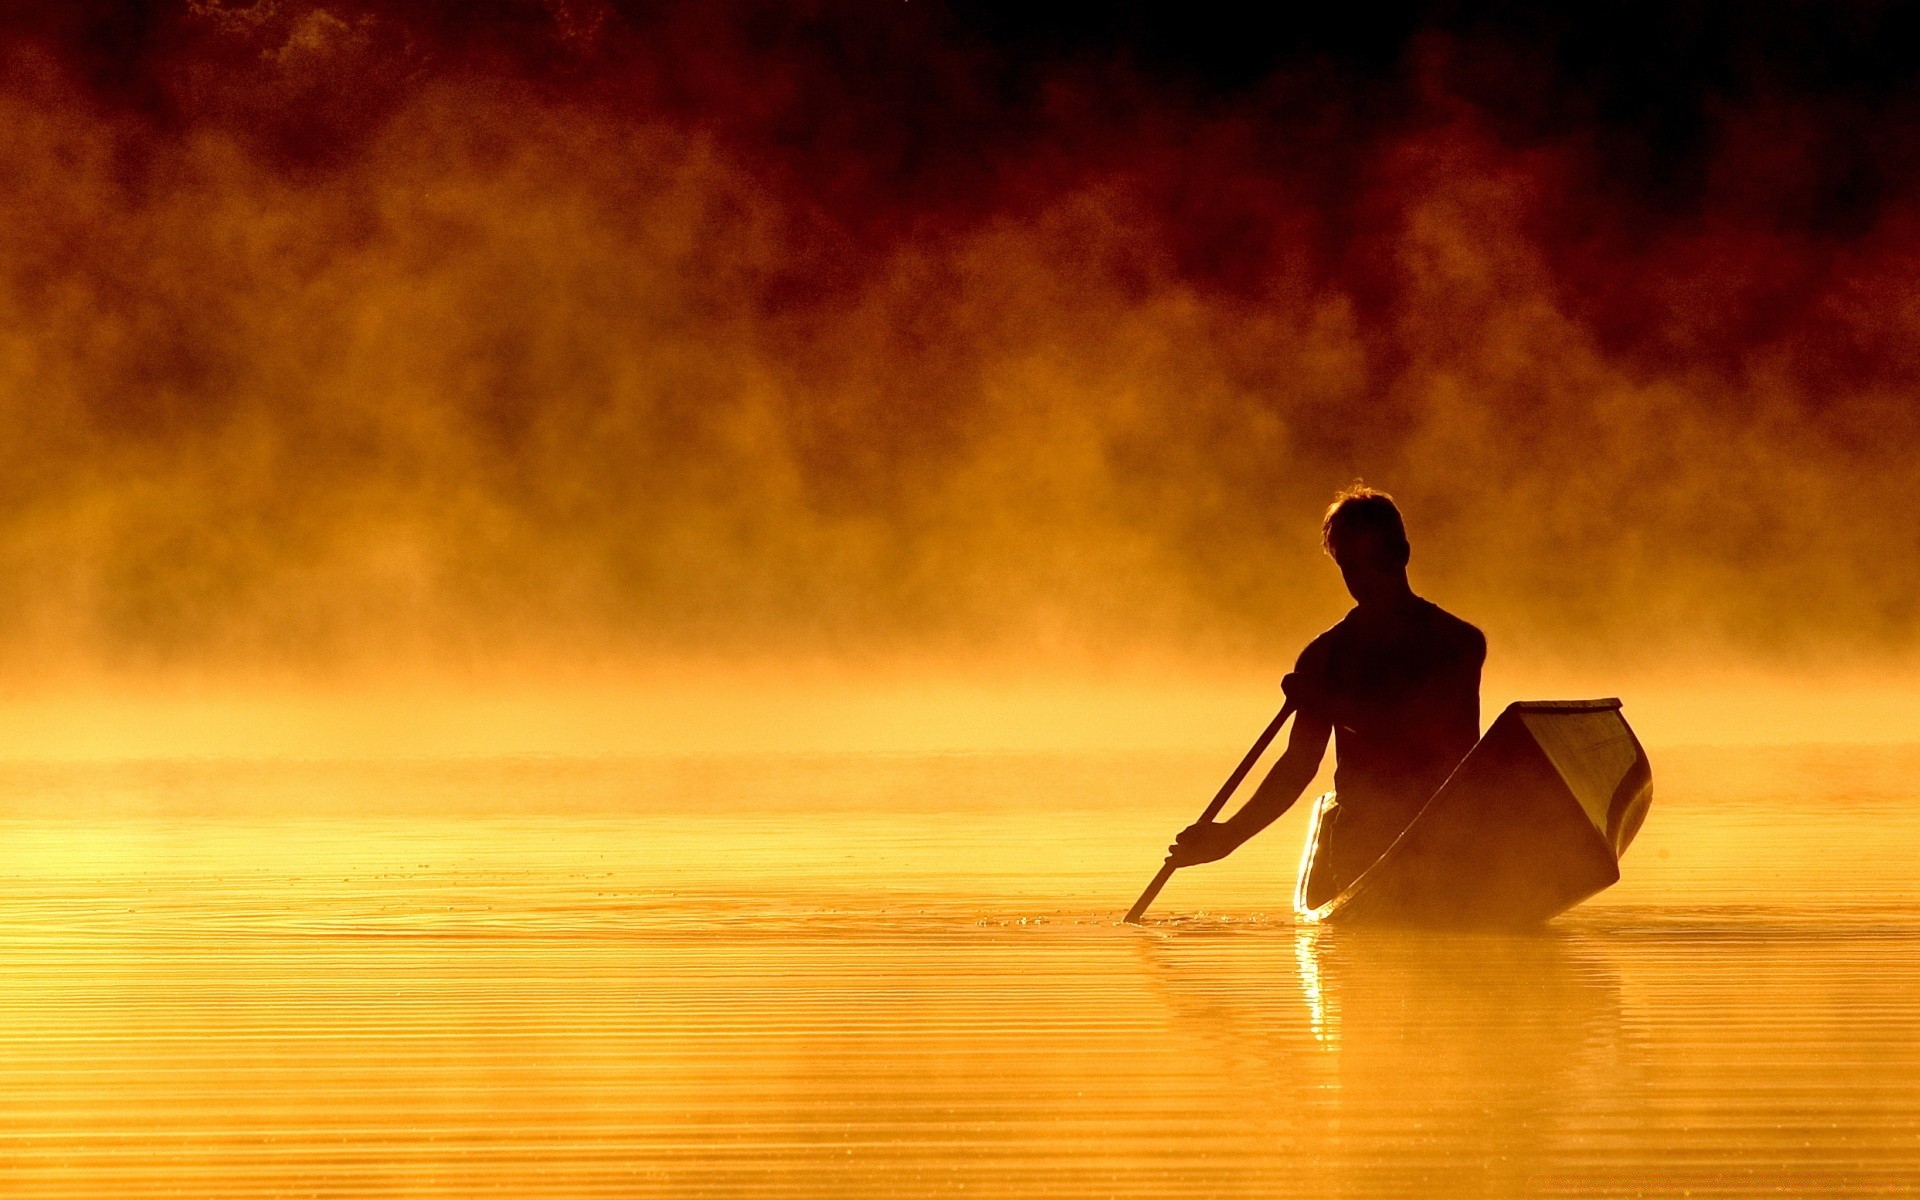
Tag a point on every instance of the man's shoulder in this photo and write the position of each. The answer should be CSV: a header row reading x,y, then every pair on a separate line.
x,y
1437,627
1322,645
1453,630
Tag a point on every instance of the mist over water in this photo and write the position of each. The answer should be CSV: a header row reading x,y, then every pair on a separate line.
x,y
335,339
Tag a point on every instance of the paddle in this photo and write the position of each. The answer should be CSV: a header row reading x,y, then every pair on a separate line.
x,y
1220,797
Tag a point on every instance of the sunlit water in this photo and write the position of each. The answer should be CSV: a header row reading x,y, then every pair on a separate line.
x,y
902,976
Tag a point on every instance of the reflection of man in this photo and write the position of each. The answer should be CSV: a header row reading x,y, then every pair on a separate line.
x,y
1397,682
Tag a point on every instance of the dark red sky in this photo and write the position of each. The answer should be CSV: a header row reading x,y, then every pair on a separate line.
x,y
338,329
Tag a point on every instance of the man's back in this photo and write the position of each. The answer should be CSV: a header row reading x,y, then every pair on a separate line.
x,y
1400,685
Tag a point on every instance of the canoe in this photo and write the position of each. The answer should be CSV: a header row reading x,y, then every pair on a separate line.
x,y
1533,821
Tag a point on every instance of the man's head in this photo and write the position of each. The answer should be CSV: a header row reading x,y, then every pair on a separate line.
x,y
1363,533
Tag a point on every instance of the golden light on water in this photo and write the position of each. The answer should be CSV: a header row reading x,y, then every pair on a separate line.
x,y
819,975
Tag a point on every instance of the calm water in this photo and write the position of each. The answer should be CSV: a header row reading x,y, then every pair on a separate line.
x,y
901,976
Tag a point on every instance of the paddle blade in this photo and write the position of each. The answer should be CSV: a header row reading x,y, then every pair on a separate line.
x,y
1140,906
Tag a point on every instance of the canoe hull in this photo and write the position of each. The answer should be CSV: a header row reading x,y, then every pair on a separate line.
x,y
1532,822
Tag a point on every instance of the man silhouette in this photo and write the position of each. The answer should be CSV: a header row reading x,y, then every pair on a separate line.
x,y
1397,684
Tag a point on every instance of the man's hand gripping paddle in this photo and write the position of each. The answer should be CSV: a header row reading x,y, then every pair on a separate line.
x,y
1220,799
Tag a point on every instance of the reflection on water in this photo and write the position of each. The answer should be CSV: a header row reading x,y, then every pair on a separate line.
x,y
903,976
1467,1063
1306,952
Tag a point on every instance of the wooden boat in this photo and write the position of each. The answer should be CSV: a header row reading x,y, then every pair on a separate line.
x,y
1531,822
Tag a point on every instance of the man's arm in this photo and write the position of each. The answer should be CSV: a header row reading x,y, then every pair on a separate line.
x,y
1306,746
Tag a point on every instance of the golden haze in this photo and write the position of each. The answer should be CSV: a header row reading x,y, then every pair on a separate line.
x,y
516,384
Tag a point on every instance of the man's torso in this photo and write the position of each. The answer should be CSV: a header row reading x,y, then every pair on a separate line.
x,y
1401,688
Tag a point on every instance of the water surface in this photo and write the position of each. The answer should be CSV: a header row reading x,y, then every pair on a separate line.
x,y
901,975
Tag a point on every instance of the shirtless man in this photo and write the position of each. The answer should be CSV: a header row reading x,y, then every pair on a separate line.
x,y
1397,684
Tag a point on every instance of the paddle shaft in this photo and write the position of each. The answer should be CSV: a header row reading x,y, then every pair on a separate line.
x,y
1220,799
